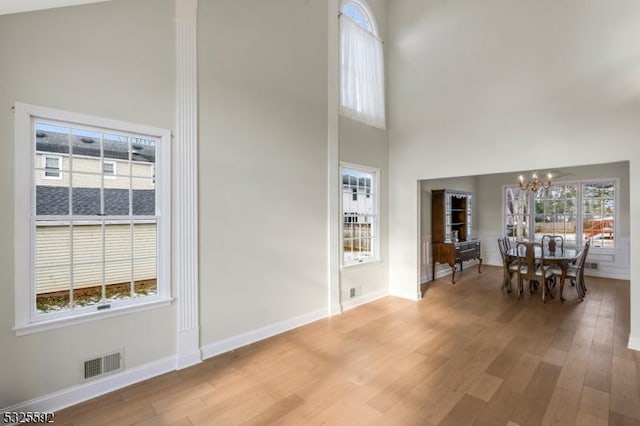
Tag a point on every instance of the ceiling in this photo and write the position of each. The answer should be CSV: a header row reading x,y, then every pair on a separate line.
x,y
15,6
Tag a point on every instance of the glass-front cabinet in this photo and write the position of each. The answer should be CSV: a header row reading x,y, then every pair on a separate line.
x,y
451,224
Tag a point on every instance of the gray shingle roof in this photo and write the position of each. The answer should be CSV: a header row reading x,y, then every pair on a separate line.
x,y
54,200
59,143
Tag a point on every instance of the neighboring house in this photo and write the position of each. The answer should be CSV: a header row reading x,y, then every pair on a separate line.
x,y
88,179
358,206
356,197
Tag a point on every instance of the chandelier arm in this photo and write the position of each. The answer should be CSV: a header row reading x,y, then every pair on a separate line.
x,y
535,184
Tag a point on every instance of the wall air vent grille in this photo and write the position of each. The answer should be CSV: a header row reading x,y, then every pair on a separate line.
x,y
102,365
92,368
111,362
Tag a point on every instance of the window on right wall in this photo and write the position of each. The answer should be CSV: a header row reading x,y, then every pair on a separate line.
x,y
577,211
361,65
360,219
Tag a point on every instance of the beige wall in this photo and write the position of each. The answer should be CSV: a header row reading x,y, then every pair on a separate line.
x,y
263,149
262,70
478,88
464,100
116,60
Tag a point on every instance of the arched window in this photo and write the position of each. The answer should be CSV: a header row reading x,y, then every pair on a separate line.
x,y
361,65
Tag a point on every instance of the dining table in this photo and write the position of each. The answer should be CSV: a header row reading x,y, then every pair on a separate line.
x,y
561,258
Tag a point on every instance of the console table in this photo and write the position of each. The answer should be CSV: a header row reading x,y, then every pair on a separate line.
x,y
454,254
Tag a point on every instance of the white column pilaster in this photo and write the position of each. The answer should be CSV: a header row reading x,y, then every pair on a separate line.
x,y
186,185
334,180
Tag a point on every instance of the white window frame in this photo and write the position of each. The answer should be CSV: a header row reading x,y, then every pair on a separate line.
x,y
26,320
110,175
376,195
580,215
45,169
367,12
616,219
364,102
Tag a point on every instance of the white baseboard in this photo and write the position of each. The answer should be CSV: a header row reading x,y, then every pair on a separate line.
x,y
336,309
186,360
188,348
411,295
86,391
615,274
235,342
634,343
95,388
357,301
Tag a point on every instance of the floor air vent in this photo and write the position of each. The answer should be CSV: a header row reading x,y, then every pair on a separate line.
x,y
102,365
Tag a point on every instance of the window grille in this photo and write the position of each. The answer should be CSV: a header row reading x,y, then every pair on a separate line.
x,y
98,216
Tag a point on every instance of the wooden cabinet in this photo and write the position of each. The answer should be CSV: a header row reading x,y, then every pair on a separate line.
x,y
451,239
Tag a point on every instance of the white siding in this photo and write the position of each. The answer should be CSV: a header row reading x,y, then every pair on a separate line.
x,y
53,251
86,173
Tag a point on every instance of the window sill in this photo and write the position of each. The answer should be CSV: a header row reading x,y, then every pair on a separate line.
x,y
37,327
361,264
361,118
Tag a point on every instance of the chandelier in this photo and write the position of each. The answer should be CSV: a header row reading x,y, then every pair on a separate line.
x,y
535,184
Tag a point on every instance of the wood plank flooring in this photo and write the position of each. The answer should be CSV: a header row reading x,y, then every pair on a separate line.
x,y
467,354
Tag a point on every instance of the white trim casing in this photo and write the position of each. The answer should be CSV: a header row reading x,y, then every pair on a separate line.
x,y
25,321
579,211
22,232
634,343
45,169
364,299
114,171
376,189
244,339
334,222
367,11
186,160
362,69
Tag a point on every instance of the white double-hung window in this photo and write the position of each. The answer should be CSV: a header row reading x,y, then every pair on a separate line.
x,y
577,211
92,217
360,218
361,65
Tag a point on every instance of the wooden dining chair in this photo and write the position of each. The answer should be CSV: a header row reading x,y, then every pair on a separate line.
x,y
509,264
507,242
531,268
553,242
575,273
579,280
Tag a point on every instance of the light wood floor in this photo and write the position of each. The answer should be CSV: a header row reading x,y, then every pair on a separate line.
x,y
467,354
